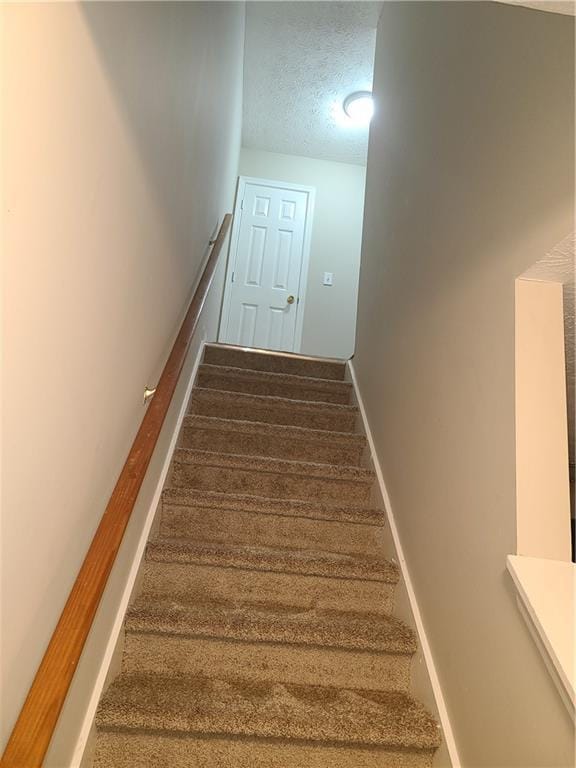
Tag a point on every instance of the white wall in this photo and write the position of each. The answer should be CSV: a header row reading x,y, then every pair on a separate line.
x,y
330,313
542,482
121,139
470,181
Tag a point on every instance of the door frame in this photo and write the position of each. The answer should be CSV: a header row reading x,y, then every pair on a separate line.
x,y
233,254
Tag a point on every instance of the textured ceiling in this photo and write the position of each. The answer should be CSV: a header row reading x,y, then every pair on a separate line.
x,y
301,60
559,266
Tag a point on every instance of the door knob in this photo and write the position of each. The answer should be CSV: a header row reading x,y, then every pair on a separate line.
x,y
290,300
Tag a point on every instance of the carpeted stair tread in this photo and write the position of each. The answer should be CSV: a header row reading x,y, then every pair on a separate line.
x,y
269,383
209,706
315,510
264,476
277,362
273,410
251,528
130,749
211,433
307,562
282,431
167,576
273,465
273,623
272,401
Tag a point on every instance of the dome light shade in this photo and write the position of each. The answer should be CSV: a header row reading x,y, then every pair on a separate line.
x,y
359,107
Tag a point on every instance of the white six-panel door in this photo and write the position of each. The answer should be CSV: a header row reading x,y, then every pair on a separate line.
x,y
263,301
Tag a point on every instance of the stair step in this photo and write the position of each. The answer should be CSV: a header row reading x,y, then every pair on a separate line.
x,y
274,362
142,750
263,476
269,642
230,526
202,706
263,635
336,565
273,623
210,433
273,410
193,497
162,653
176,572
285,385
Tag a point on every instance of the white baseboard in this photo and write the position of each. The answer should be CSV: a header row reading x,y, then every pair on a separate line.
x,y
419,625
88,721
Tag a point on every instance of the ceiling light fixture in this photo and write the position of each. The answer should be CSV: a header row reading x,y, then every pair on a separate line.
x,y
359,107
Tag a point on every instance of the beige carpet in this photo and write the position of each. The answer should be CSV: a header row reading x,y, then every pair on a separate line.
x,y
262,636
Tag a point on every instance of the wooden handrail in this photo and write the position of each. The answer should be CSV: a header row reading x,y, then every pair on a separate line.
x,y
33,731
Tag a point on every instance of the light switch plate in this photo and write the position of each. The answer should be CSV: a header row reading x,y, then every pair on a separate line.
x,y
328,278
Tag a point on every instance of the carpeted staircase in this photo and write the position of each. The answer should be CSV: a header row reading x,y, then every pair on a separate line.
x,y
262,636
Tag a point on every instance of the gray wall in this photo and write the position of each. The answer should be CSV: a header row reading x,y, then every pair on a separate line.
x,y
470,180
